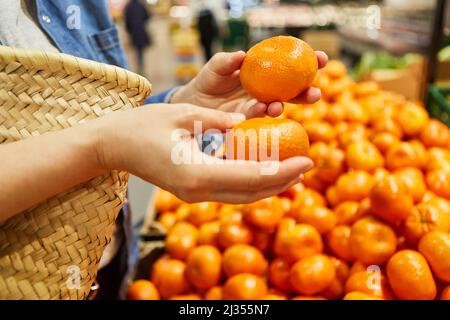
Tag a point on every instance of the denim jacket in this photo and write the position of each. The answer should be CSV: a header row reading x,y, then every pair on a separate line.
x,y
96,38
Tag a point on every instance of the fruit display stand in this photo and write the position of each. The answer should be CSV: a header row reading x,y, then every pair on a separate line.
x,y
151,241
410,81
369,221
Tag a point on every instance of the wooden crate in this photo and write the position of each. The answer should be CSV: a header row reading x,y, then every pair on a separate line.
x,y
324,40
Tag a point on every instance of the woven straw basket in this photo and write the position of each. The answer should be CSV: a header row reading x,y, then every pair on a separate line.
x,y
43,248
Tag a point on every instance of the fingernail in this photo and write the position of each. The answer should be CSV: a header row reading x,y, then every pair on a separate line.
x,y
250,103
309,164
237,117
315,90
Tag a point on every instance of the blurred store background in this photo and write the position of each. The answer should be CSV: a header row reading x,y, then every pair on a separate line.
x,y
401,44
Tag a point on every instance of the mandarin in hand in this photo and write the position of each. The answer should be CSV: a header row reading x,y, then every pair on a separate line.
x,y
278,69
264,139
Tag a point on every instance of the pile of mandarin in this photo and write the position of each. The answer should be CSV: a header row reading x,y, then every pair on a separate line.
x,y
370,221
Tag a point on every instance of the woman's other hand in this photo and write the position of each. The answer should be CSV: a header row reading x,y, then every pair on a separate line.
x,y
218,86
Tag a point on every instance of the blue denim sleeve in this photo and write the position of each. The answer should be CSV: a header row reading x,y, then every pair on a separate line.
x,y
163,97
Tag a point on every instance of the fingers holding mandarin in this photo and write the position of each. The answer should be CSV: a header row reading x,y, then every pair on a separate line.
x,y
253,176
281,69
242,182
312,94
253,108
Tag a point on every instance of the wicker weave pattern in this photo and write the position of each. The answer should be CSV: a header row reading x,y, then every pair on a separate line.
x,y
41,92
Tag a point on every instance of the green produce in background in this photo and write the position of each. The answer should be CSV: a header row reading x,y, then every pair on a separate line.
x,y
381,60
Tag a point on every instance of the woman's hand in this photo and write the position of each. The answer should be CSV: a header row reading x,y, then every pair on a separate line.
x,y
157,143
218,86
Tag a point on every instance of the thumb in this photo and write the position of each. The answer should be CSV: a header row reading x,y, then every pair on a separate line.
x,y
226,63
205,119
220,120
